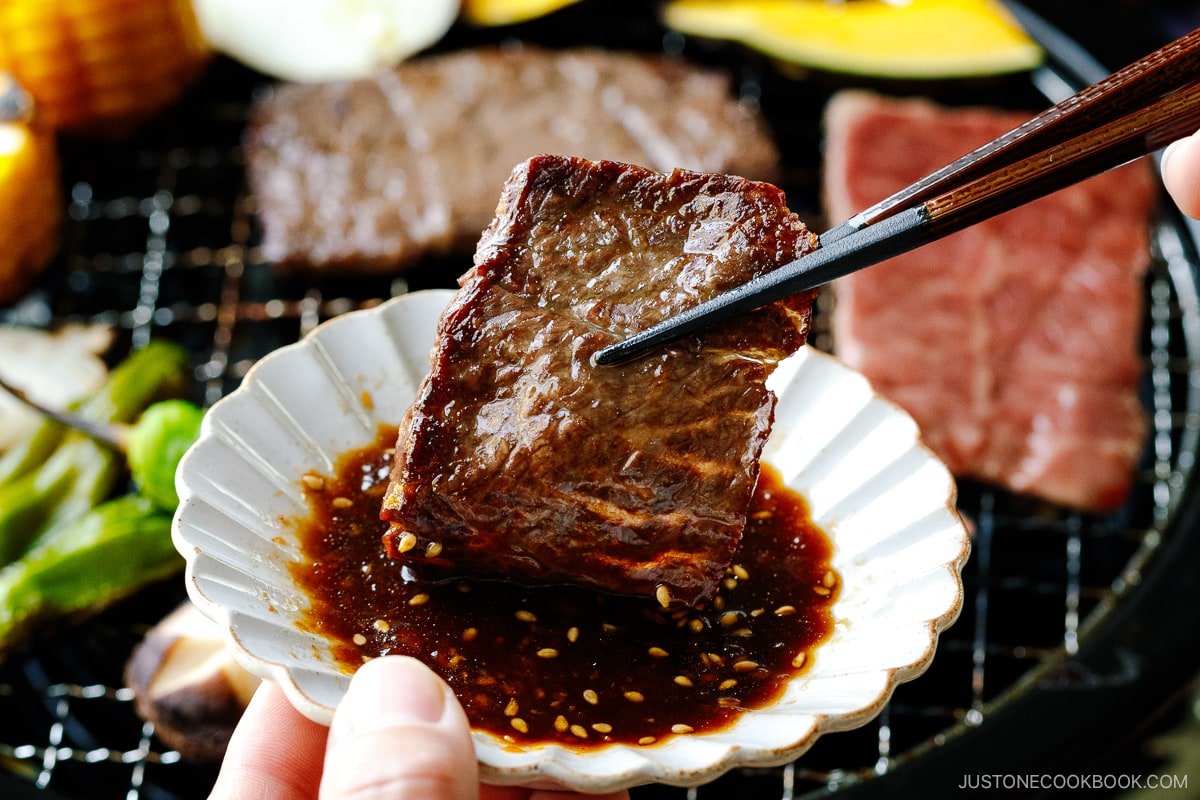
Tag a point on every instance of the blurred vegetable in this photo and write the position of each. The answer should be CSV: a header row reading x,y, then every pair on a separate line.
x,y
508,12
31,206
323,40
156,443
55,369
100,66
914,39
186,681
86,565
79,472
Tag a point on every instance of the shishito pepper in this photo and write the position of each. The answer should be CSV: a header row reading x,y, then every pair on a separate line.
x,y
68,551
155,445
97,559
79,472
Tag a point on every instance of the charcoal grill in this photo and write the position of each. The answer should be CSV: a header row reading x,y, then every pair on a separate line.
x,y
1071,631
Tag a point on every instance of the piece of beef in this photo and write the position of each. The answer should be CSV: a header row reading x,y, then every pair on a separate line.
x,y
1014,344
371,175
520,459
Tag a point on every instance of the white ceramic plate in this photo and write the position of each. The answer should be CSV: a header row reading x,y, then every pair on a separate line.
x,y
885,501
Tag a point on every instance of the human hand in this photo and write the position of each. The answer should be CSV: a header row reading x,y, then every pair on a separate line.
x,y
398,734
1181,174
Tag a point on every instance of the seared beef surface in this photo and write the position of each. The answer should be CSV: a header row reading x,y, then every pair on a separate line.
x,y
371,175
1014,344
520,459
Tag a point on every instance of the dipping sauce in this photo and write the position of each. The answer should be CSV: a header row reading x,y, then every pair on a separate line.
x,y
562,664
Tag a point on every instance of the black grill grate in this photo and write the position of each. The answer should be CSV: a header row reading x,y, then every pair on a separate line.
x,y
160,241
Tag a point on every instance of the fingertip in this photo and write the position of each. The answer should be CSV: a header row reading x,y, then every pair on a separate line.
x,y
1180,165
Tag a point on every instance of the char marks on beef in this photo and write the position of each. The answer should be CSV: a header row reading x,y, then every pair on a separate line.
x,y
371,175
1014,344
520,459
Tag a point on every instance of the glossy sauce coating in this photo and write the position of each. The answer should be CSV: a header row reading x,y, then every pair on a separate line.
x,y
557,663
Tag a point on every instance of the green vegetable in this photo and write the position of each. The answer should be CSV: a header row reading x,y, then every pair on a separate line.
x,y
78,472
95,560
30,451
156,443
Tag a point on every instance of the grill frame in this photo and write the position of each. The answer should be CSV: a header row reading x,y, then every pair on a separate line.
x,y
140,252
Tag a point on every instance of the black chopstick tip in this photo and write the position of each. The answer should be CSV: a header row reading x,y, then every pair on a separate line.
x,y
612,355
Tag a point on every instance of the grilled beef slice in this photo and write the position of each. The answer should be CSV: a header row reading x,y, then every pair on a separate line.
x,y
520,459
372,175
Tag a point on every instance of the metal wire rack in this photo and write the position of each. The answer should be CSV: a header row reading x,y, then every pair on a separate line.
x,y
160,242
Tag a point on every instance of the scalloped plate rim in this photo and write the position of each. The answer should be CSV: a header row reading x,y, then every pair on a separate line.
x,y
554,765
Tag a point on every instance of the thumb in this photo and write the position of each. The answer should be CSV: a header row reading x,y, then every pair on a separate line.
x,y
399,733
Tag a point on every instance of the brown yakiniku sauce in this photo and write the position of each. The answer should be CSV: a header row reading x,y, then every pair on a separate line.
x,y
560,663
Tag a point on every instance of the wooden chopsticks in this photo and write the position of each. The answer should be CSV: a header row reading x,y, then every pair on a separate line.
x,y
1129,114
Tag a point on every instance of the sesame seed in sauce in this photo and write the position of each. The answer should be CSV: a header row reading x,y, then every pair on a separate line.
x,y
547,652
519,724
313,482
684,681
418,599
478,665
663,595
433,549
359,639
342,502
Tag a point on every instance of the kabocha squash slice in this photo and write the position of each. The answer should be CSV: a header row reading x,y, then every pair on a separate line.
x,y
509,12
897,39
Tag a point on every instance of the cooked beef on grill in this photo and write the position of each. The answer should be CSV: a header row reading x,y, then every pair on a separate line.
x,y
372,175
1014,344
520,459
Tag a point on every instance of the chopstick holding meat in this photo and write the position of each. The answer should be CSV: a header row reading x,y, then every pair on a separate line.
x,y
518,459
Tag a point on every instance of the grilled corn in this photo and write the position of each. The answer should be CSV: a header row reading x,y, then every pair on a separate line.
x,y
100,66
